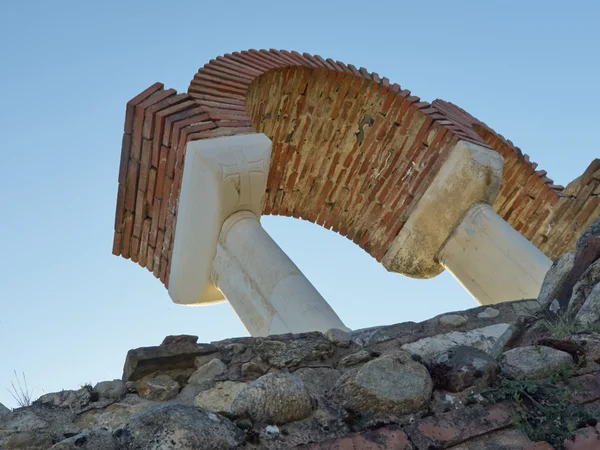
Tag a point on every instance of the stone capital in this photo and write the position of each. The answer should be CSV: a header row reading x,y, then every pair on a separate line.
x,y
221,177
470,175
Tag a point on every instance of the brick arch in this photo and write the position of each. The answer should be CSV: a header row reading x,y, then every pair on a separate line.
x,y
351,151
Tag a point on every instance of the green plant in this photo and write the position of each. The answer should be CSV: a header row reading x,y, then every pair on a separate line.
x,y
542,408
21,393
559,327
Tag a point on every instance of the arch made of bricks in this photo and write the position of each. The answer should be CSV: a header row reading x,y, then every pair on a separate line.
x,y
351,151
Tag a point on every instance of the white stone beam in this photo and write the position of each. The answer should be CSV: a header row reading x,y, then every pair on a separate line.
x,y
216,258
454,227
471,174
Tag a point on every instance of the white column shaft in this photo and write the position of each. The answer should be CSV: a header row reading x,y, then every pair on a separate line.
x,y
265,288
492,260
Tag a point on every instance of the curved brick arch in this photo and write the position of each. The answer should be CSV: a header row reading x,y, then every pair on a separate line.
x,y
351,151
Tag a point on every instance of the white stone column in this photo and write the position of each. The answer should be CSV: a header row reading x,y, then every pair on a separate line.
x,y
221,252
492,260
263,285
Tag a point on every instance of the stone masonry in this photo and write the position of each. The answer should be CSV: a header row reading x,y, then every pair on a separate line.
x,y
522,375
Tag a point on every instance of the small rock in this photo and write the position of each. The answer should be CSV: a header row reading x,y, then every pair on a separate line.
x,y
589,313
272,430
453,320
220,397
3,410
88,440
311,349
555,279
275,398
160,388
488,313
532,363
359,357
175,426
391,384
591,345
339,338
208,372
254,369
189,392
462,367
113,390
179,340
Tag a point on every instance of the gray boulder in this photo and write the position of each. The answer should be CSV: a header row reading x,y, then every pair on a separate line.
x,y
318,380
361,356
339,338
591,345
159,388
113,390
392,384
89,440
181,427
532,363
275,398
488,313
583,288
3,410
453,320
555,279
219,397
73,400
207,372
589,314
462,367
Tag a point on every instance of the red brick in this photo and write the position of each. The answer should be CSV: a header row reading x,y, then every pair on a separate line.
x,y
131,189
131,104
144,242
127,231
459,426
150,113
116,250
125,152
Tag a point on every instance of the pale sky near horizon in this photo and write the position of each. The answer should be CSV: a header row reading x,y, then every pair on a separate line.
x,y
70,310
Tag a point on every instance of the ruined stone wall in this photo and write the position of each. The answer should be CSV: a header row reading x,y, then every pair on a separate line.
x,y
518,375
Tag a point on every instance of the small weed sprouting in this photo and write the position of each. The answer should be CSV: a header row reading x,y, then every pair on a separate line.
x,y
21,393
542,408
559,327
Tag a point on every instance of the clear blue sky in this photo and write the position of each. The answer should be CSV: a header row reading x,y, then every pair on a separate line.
x,y
70,310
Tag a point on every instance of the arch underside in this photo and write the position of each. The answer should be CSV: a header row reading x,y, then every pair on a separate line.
x,y
351,152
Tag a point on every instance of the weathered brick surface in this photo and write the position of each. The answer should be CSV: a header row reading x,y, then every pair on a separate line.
x,y
389,437
459,426
350,152
550,216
